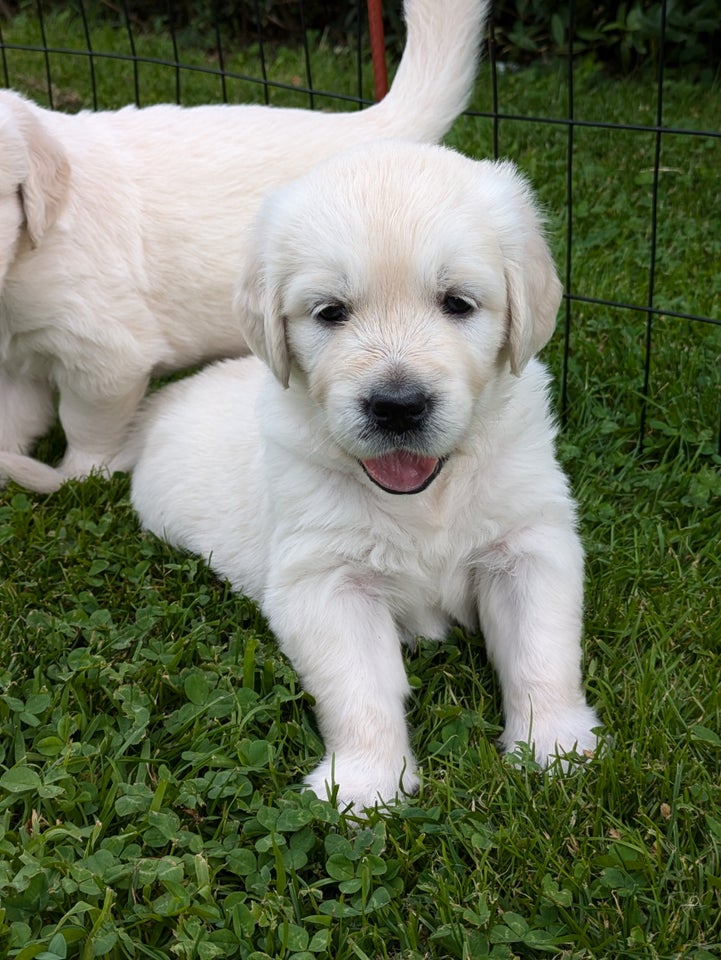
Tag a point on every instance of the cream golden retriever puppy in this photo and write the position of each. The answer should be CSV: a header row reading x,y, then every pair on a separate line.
x,y
121,234
387,468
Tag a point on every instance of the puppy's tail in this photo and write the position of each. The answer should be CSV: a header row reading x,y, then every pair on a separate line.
x,y
29,473
39,477
434,80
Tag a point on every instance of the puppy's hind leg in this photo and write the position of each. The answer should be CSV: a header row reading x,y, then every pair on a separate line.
x,y
96,427
27,412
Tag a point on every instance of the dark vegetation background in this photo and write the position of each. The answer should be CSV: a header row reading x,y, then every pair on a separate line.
x,y
623,36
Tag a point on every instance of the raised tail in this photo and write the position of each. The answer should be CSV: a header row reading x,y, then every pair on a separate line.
x,y
435,77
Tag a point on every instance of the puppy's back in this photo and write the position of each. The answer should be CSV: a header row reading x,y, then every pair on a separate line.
x,y
197,476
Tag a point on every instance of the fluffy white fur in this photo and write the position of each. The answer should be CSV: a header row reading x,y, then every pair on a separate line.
x,y
121,235
358,290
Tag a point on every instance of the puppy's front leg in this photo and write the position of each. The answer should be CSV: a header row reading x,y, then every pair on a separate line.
x,y
342,641
530,609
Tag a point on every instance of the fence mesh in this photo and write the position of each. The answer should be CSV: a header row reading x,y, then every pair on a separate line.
x,y
34,63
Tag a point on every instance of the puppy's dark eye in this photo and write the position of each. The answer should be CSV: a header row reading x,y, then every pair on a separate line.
x,y
456,306
332,313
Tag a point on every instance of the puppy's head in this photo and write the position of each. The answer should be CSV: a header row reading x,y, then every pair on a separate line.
x,y
396,282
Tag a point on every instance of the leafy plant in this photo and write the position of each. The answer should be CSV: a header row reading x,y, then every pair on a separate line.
x,y
622,35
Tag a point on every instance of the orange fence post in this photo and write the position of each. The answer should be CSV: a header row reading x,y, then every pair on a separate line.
x,y
378,47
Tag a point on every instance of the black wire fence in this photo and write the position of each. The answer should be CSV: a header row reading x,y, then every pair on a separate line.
x,y
120,44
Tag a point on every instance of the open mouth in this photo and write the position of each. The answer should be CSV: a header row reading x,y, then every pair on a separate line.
x,y
402,471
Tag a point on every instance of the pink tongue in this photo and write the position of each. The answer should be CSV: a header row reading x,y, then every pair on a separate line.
x,y
401,471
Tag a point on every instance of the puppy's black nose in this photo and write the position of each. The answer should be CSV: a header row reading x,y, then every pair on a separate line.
x,y
398,409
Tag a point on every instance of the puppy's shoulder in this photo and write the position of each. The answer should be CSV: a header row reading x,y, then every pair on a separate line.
x,y
528,416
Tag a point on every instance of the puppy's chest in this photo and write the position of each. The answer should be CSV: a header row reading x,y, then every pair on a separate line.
x,y
427,580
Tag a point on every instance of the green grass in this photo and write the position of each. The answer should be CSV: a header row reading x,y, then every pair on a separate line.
x,y
152,737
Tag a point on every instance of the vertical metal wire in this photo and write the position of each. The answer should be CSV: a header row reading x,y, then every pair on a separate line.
x,y
654,225
569,217
43,36
219,45
176,57
6,72
261,53
133,54
91,58
359,51
306,51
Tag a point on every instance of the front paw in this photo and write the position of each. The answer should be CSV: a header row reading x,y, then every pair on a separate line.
x,y
349,781
561,735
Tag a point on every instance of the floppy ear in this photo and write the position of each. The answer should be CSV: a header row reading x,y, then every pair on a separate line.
x,y
45,185
257,306
534,291
13,153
